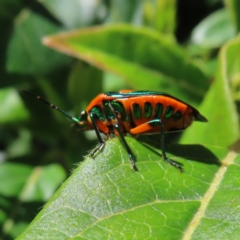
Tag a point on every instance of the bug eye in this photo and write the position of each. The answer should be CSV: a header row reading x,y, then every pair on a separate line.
x,y
83,116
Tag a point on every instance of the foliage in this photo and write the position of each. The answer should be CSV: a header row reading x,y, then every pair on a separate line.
x,y
112,45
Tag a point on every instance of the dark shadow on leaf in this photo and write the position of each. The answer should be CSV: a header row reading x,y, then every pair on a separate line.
x,y
151,148
235,146
193,152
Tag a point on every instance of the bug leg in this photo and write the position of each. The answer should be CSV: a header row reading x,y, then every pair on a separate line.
x,y
101,141
129,151
145,127
163,149
117,127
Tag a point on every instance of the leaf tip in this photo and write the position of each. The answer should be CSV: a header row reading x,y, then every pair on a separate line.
x,y
46,41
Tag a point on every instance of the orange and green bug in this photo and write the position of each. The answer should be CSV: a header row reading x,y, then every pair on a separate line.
x,y
134,112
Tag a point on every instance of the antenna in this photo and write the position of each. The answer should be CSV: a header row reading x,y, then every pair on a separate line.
x,y
51,105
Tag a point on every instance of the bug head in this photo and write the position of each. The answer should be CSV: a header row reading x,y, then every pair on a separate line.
x,y
82,121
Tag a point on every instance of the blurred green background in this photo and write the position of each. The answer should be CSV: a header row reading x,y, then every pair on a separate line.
x,y
38,146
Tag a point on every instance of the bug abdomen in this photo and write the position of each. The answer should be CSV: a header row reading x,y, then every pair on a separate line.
x,y
174,114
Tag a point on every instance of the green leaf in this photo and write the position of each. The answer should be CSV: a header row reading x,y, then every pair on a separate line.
x,y
104,199
12,108
32,183
77,14
9,172
233,7
112,82
214,30
231,60
222,213
42,183
161,15
8,7
24,183
80,85
26,54
218,105
125,11
141,56
20,146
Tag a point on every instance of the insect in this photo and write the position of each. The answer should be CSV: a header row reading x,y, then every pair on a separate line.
x,y
134,112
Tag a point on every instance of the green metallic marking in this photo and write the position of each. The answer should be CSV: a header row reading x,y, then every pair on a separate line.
x,y
154,123
177,116
82,118
169,112
108,111
142,93
98,111
136,110
130,120
148,109
158,110
117,106
76,119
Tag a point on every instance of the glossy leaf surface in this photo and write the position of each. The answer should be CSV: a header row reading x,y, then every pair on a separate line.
x,y
123,49
214,30
83,13
218,106
105,199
